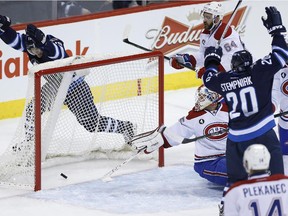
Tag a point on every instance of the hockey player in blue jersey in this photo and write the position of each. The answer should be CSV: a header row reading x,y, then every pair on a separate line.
x,y
247,92
43,48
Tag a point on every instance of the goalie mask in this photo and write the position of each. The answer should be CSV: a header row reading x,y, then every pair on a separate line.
x,y
216,10
205,97
256,158
241,61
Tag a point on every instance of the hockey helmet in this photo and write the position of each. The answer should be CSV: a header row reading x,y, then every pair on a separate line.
x,y
256,158
214,8
205,97
241,61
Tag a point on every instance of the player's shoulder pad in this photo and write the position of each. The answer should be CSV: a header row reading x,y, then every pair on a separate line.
x,y
220,30
194,114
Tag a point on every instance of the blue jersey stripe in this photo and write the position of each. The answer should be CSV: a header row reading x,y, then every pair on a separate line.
x,y
248,134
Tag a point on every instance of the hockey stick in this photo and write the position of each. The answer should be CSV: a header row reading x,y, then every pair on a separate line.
x,y
229,23
186,140
107,176
280,114
127,41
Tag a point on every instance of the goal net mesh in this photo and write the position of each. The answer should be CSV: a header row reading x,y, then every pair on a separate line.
x,y
90,107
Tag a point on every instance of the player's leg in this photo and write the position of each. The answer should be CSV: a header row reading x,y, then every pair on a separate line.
x,y
270,140
80,102
234,161
214,171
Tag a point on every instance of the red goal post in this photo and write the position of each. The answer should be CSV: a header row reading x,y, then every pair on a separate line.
x,y
153,59
84,108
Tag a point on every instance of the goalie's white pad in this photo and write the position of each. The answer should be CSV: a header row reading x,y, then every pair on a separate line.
x,y
149,141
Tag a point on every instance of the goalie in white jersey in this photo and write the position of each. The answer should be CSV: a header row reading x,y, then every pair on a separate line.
x,y
261,194
208,116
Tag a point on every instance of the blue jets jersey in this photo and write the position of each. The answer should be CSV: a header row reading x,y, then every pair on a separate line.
x,y
248,94
53,49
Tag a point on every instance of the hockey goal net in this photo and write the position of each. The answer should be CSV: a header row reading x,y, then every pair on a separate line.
x,y
83,108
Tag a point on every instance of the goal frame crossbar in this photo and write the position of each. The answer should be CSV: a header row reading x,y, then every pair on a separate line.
x,y
37,95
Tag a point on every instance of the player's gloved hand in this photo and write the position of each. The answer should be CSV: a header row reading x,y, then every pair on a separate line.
x,y
202,70
185,59
5,22
36,34
149,141
212,56
273,22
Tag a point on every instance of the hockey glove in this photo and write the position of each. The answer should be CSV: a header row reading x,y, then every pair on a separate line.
x,y
5,22
273,22
212,56
185,59
202,70
36,34
149,141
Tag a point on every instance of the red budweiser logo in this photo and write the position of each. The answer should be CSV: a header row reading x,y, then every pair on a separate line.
x,y
174,35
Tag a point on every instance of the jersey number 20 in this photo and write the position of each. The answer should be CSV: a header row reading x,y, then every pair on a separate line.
x,y
247,99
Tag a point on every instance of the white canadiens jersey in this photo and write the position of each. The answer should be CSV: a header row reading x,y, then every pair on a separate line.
x,y
280,94
230,43
259,196
198,124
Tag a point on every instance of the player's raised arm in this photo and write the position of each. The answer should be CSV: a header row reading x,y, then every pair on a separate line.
x,y
275,28
10,36
212,61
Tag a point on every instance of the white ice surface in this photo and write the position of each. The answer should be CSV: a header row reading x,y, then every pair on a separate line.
x,y
139,188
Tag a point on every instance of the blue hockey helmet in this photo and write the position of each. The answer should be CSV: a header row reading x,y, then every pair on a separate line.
x,y
241,61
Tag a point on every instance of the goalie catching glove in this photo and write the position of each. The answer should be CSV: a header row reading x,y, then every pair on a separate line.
x,y
149,141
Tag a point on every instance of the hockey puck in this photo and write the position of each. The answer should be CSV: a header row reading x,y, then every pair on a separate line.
x,y
63,175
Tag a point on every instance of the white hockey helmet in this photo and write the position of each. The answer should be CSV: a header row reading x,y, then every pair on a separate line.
x,y
205,97
256,157
214,8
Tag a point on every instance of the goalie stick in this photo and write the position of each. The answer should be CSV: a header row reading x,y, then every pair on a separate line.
x,y
107,176
186,140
